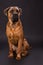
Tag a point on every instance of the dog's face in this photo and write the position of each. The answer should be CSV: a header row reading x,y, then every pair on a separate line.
x,y
13,13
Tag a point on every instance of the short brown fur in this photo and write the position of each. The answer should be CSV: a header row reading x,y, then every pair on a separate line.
x,y
15,35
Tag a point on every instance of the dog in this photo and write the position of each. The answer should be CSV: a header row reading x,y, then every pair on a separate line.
x,y
15,34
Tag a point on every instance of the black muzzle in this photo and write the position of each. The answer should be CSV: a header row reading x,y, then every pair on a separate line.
x,y
15,18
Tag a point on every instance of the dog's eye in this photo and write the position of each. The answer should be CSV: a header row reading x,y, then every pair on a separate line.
x,y
11,11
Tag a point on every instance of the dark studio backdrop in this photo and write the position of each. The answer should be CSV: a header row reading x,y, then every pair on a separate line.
x,y
32,20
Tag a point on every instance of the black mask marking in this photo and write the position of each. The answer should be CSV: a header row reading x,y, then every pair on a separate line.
x,y
15,18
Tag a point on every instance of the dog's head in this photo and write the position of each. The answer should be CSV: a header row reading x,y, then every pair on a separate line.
x,y
13,13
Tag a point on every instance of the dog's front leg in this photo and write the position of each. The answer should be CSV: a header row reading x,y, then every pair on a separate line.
x,y
19,49
10,49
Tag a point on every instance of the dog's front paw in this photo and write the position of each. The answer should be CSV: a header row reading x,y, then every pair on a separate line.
x,y
10,55
18,57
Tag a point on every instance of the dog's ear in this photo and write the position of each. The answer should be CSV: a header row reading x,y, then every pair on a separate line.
x,y
6,11
20,10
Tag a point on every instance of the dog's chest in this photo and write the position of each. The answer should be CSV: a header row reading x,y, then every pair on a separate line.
x,y
13,35
13,32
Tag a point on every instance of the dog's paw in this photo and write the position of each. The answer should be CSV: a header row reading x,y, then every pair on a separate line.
x,y
25,53
18,57
10,55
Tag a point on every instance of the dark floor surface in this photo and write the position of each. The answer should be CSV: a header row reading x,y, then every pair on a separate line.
x,y
34,58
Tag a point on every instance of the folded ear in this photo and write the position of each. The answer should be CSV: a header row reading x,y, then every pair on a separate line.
x,y
6,11
20,11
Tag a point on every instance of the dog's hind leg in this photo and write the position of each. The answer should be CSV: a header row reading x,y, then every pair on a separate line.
x,y
26,44
25,47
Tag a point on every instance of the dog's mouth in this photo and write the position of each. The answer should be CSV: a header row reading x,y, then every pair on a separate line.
x,y
15,18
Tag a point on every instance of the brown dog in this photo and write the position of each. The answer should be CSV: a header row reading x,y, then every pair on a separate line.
x,y
15,34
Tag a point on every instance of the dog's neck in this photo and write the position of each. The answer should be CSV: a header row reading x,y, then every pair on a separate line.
x,y
10,24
